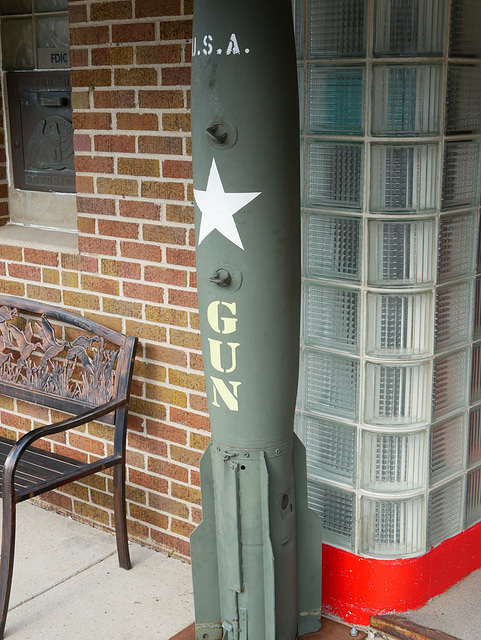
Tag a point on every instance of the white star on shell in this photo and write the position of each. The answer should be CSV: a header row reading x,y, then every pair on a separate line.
x,y
218,208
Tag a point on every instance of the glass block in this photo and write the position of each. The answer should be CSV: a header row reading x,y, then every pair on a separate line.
x,y
447,449
52,32
300,88
399,326
337,510
445,512
401,253
298,6
465,29
331,384
334,175
394,462
404,178
397,395
335,99
473,498
331,317
476,374
332,247
461,174
456,245
453,315
11,7
331,450
450,383
409,27
474,443
463,101
51,5
17,44
392,528
477,310
336,28
407,99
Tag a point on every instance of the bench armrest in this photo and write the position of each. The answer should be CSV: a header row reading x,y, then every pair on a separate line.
x,y
27,439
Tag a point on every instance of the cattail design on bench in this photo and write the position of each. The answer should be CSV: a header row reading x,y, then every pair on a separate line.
x,y
57,359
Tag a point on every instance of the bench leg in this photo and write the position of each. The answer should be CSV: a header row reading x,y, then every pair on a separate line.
x,y
120,514
6,561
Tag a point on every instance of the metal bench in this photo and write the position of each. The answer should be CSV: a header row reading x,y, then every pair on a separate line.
x,y
57,359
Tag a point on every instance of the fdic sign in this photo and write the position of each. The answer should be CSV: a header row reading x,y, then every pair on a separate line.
x,y
53,58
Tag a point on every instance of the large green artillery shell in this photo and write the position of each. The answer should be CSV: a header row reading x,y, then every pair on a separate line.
x,y
256,555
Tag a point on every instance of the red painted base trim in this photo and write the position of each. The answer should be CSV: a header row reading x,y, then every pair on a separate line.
x,y
354,588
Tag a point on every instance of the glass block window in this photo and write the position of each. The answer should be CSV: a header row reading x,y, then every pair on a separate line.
x,y
391,318
34,34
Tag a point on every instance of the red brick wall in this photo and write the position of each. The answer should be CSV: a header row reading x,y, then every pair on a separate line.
x,y
135,270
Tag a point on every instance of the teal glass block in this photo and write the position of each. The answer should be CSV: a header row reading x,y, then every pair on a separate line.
x,y
337,509
409,28
298,6
331,317
51,5
465,27
473,498
447,449
476,374
461,174
407,99
474,444
331,384
17,44
401,253
52,32
463,102
453,315
336,28
397,395
393,462
330,450
332,247
445,512
15,7
450,383
477,310
404,178
333,175
335,103
457,234
399,326
392,528
300,88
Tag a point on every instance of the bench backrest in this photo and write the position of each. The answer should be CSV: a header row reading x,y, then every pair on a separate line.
x,y
59,359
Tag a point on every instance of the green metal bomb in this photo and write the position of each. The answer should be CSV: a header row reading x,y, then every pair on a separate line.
x,y
256,555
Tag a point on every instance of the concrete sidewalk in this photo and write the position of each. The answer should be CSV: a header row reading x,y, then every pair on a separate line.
x,y
67,585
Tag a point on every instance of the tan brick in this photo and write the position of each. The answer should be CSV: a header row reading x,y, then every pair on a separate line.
x,y
159,54
148,408
149,515
122,308
50,276
162,503
183,214
186,339
160,145
44,293
150,371
166,395
120,269
181,527
91,512
89,35
165,275
135,77
161,99
11,253
186,380
118,186
146,331
162,190
137,121
163,234
138,167
198,441
175,30
100,285
164,315
12,288
91,77
81,300
183,492
114,10
176,122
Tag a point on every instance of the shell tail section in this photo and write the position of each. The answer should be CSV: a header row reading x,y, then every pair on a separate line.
x,y
203,550
309,550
